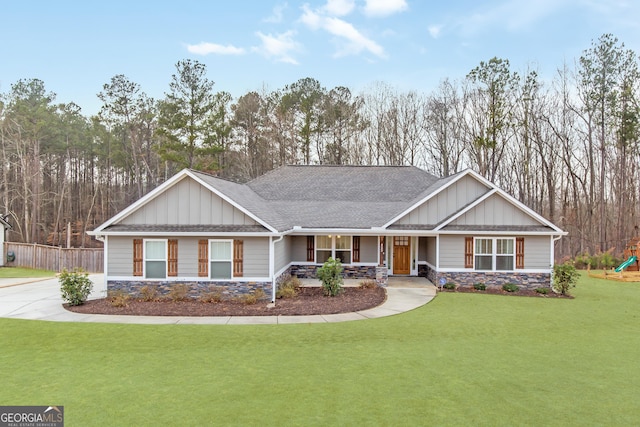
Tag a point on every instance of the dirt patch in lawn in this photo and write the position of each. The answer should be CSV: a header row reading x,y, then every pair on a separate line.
x,y
500,291
309,301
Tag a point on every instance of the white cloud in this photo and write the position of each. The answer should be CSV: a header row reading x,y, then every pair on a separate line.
x,y
339,7
434,30
276,14
207,48
350,40
278,47
384,7
356,41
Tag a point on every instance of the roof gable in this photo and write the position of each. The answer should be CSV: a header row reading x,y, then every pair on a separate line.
x,y
188,202
185,199
443,201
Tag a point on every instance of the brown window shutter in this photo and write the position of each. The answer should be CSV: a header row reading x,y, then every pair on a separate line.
x,y
468,252
519,252
356,248
311,242
238,250
203,258
137,257
172,258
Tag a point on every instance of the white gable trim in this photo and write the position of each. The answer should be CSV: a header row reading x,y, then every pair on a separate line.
x,y
438,191
164,187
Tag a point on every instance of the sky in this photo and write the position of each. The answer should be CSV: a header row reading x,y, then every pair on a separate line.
x,y
75,47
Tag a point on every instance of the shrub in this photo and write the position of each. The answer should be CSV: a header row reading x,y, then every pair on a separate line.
x,y
178,292
510,287
149,293
253,297
368,284
480,287
289,288
449,285
213,295
565,277
75,286
542,291
331,276
119,299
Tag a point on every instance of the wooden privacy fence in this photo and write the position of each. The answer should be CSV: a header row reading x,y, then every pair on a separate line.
x,y
54,258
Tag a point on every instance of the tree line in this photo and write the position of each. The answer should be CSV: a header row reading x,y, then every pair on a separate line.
x,y
567,147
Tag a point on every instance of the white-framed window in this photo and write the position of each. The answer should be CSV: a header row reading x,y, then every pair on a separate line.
x,y
220,259
337,247
494,254
324,248
343,249
155,258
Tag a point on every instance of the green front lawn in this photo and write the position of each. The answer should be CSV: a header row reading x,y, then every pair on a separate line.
x,y
463,359
22,272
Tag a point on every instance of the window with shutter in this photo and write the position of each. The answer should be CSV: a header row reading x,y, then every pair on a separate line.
x,y
468,252
172,257
137,257
203,258
238,250
311,248
519,252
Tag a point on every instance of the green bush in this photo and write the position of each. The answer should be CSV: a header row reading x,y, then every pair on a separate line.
x,y
75,286
331,276
565,277
480,287
449,285
542,291
178,292
510,287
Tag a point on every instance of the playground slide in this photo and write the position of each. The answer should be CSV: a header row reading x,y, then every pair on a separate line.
x,y
626,264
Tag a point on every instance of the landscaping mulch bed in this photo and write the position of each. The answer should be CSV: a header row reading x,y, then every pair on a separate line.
x,y
310,300
500,291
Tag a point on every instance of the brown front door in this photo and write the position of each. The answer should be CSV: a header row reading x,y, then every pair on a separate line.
x,y
401,255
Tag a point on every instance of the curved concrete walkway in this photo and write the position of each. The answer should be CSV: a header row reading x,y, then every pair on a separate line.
x,y
39,299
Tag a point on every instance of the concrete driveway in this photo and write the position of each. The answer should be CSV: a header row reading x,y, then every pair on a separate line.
x,y
39,299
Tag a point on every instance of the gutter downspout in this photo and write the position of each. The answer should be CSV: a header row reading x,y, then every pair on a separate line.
x,y
272,267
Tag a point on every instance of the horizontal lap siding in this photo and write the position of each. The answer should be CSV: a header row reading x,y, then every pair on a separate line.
x,y
369,249
537,252
282,253
452,252
298,250
120,256
256,256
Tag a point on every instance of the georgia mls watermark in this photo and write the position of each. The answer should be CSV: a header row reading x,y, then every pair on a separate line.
x,y
31,416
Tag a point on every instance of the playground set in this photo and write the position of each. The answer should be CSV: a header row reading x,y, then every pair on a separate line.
x,y
629,270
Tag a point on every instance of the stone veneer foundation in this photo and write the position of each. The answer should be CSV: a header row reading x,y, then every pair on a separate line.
x,y
379,274
491,278
196,288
